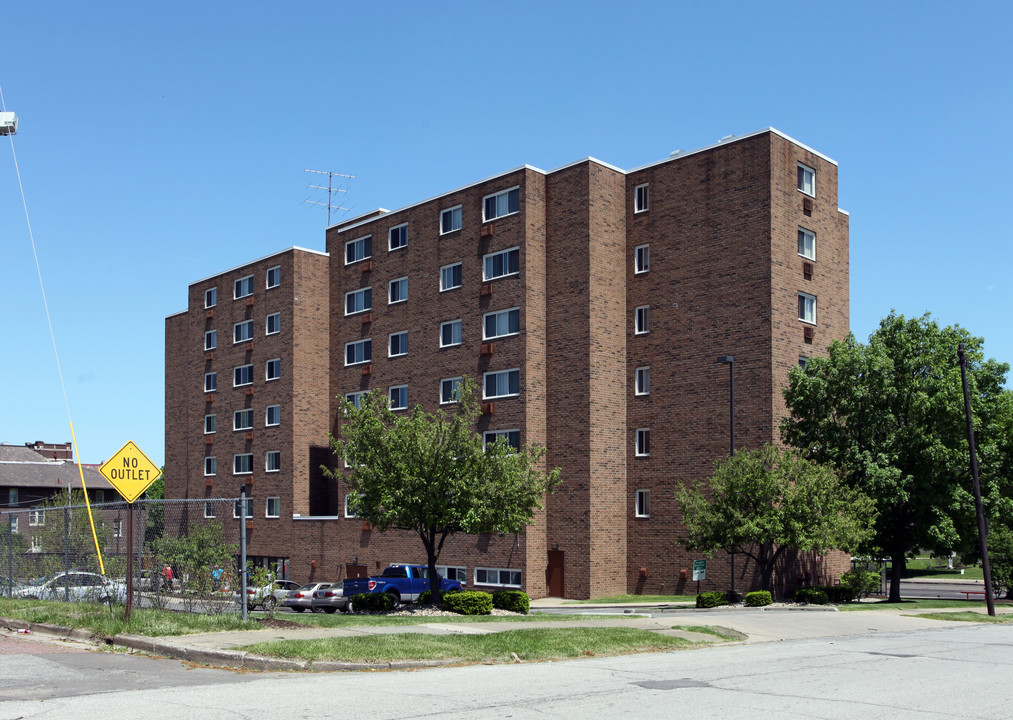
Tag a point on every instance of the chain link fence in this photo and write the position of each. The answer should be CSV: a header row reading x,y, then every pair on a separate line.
x,y
185,553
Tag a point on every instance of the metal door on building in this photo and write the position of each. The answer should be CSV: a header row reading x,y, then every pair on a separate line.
x,y
555,572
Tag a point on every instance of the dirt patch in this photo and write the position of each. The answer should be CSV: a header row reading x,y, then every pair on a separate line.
x,y
277,624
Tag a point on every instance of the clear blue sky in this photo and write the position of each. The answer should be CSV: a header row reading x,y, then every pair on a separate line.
x,y
164,142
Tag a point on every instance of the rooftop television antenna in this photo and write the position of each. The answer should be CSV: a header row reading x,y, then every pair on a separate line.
x,y
330,191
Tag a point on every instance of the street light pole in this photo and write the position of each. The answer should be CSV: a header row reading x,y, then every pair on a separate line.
x,y
728,360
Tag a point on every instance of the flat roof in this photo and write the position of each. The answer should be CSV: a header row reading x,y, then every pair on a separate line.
x,y
254,262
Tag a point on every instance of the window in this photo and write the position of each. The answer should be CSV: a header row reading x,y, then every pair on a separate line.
x,y
356,398
397,291
501,323
500,264
210,382
243,287
242,464
807,308
642,320
807,244
273,324
807,180
643,448
450,277
357,352
117,527
641,259
802,360
643,504
210,424
242,419
242,375
210,339
242,331
36,518
237,508
641,198
451,572
273,277
397,344
397,237
358,301
14,523
12,496
450,333
99,495
273,369
504,383
643,381
502,203
450,220
273,416
272,461
273,507
210,466
358,249
450,390
398,395
210,297
512,437
349,513
209,509
498,576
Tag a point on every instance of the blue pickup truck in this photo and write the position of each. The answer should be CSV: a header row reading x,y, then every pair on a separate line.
x,y
404,582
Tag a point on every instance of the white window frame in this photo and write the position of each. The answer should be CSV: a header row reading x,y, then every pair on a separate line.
x,y
210,298
276,456
499,578
268,502
642,442
642,504
496,315
117,527
486,277
14,523
391,247
642,381
249,509
490,436
497,374
209,509
276,272
239,332
455,212
267,415
803,170
448,269
275,364
240,285
453,572
642,320
241,369
36,518
401,284
348,513
390,401
210,463
364,343
807,244
274,318
212,422
641,259
244,413
247,461
642,198
356,398
359,245
211,382
805,303
454,387
366,294
402,344
210,340
497,196
460,332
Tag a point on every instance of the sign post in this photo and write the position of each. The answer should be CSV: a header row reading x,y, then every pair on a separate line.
x,y
699,573
131,472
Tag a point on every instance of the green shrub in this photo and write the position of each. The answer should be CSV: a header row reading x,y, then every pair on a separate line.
x,y
861,582
512,600
711,599
838,594
373,602
758,598
469,602
425,597
811,596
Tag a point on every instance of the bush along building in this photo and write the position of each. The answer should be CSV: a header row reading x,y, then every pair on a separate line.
x,y
591,305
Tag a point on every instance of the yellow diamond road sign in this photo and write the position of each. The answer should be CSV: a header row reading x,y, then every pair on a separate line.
x,y
130,471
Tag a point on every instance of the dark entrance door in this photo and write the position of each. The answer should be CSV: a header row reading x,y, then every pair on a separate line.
x,y
556,585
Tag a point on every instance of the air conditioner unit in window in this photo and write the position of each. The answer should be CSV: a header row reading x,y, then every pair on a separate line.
x,y
488,408
807,206
367,369
807,269
487,289
367,266
809,333
367,318
487,348
487,231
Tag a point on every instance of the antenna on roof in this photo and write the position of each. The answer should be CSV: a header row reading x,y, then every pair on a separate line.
x,y
8,123
330,191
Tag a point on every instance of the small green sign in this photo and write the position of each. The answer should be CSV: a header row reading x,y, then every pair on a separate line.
x,y
699,570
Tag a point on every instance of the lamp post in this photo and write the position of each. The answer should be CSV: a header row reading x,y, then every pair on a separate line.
x,y
728,360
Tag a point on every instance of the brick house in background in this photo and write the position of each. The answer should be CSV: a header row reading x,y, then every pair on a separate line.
x,y
590,303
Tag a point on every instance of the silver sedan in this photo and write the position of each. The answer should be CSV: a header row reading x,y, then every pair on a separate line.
x,y
302,599
330,599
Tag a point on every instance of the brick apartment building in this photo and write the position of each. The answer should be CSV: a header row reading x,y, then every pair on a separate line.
x,y
590,303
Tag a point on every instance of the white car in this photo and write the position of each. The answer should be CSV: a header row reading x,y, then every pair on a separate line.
x,y
268,596
76,586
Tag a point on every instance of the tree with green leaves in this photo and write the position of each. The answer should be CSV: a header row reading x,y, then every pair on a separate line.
x,y
889,415
430,474
61,532
765,501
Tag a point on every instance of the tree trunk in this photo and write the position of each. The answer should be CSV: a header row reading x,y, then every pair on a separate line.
x,y
897,567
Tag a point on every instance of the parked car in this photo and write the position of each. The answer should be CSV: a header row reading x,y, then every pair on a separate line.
x,y
268,596
77,586
404,582
329,599
301,599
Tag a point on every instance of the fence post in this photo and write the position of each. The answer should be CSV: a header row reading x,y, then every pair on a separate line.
x,y
10,555
242,550
66,546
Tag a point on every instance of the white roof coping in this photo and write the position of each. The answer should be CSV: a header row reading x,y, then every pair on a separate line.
x,y
316,517
258,260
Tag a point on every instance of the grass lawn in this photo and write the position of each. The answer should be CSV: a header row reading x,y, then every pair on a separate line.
x,y
969,617
346,620
626,599
910,604
542,644
925,566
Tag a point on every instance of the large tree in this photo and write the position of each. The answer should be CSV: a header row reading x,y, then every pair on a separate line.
x,y
889,415
429,472
765,501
